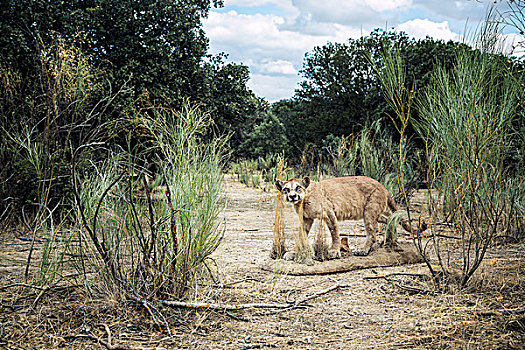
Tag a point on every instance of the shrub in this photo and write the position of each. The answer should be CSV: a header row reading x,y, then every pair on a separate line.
x,y
466,119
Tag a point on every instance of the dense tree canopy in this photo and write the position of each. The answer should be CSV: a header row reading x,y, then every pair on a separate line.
x,y
158,47
340,92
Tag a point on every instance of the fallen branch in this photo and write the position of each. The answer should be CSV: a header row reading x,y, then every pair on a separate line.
x,y
403,286
397,274
100,341
232,307
337,285
25,285
225,307
26,239
411,289
247,279
440,235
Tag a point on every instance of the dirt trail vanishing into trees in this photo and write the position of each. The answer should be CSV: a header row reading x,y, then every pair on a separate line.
x,y
365,312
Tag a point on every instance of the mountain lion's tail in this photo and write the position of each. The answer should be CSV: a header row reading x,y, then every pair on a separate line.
x,y
393,207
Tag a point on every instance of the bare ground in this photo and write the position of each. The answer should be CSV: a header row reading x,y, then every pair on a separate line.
x,y
364,312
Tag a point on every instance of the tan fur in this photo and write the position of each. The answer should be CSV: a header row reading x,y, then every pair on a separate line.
x,y
343,198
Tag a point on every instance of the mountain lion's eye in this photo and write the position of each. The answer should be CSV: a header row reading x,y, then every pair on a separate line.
x,y
298,188
286,190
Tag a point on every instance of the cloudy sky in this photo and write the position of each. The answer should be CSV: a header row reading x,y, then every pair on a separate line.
x,y
271,37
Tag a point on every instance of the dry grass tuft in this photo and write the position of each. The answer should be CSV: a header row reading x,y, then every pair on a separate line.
x,y
279,247
303,250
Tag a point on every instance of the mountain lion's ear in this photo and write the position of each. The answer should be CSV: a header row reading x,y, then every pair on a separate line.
x,y
279,185
306,182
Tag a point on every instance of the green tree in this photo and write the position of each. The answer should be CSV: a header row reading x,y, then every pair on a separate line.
x,y
234,106
293,115
340,93
267,138
63,62
153,47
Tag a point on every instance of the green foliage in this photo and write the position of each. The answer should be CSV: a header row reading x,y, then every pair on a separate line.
x,y
143,241
261,172
156,44
39,129
153,47
193,172
340,91
342,152
62,64
467,116
373,153
267,138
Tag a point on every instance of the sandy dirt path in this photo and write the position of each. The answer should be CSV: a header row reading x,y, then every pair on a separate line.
x,y
368,314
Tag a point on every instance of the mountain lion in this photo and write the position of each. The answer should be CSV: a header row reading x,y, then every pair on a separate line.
x,y
343,198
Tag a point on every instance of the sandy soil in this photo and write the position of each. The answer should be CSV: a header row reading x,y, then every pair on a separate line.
x,y
366,313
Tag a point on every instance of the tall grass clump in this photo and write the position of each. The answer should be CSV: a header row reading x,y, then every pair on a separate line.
x,y
279,242
392,74
40,126
466,117
466,120
193,174
371,152
146,242
37,136
302,251
342,155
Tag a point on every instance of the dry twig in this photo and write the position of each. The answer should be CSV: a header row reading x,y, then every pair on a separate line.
x,y
396,274
403,286
108,344
234,307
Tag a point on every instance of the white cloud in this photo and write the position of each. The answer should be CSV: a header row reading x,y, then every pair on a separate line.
x,y
285,5
258,3
459,10
252,3
421,28
264,32
356,13
508,44
273,88
239,29
388,5
278,67
273,54
513,45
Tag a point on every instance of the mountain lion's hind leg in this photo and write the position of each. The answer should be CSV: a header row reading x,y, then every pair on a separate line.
x,y
335,250
370,221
